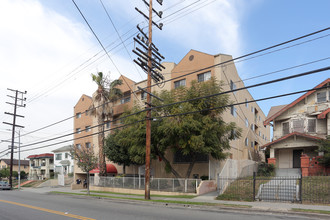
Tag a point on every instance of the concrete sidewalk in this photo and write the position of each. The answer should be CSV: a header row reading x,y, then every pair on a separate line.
x,y
206,198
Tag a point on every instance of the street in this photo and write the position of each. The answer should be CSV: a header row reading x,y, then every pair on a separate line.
x,y
15,205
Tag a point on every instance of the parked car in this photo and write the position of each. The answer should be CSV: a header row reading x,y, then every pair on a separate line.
x,y
4,185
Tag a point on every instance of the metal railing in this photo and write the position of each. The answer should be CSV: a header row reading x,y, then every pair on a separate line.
x,y
156,184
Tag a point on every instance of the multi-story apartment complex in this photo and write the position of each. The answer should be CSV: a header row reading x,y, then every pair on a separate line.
x,y
63,162
299,126
249,116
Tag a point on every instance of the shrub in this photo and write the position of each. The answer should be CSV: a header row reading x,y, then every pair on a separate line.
x,y
265,169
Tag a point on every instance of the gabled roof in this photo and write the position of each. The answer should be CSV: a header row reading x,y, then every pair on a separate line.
x,y
63,149
274,109
83,96
290,135
323,114
271,118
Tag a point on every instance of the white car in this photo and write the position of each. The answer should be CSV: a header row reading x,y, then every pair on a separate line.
x,y
4,185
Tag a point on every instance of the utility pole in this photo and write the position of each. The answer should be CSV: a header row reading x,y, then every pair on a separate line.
x,y
17,103
149,62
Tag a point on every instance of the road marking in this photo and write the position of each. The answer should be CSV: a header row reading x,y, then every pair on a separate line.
x,y
48,210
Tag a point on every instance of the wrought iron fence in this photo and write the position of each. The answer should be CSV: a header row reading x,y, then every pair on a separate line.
x,y
157,184
311,189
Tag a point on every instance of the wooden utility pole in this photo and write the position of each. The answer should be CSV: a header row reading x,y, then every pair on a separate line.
x,y
14,125
148,122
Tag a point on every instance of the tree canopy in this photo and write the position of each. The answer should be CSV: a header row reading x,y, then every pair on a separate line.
x,y
325,148
202,133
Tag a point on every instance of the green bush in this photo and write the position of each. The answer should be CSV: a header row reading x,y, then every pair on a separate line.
x,y
265,169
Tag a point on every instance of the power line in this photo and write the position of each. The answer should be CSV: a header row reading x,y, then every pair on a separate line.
x,y
194,99
102,45
223,63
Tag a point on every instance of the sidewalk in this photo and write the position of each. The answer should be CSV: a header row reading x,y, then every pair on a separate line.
x,y
206,198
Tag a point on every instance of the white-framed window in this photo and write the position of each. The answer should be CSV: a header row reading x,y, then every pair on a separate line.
x,y
204,76
58,156
66,155
311,125
247,142
88,128
321,96
126,98
78,115
298,125
179,83
88,145
233,111
78,131
246,122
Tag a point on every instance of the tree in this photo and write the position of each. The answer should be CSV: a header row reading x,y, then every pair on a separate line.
x,y
86,160
116,153
203,133
4,172
101,108
325,148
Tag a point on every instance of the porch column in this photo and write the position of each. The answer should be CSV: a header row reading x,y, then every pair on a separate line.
x,y
304,160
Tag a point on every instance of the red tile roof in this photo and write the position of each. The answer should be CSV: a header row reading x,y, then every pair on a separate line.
x,y
290,135
323,114
271,118
41,155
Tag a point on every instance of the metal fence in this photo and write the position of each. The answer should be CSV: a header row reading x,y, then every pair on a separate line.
x,y
157,184
312,189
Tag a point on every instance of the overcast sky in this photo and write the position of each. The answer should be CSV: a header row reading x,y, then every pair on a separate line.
x,y
47,49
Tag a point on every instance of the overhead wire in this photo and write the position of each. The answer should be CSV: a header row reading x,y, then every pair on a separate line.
x,y
222,63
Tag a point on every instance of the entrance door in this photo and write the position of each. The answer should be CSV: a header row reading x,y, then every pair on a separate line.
x,y
296,158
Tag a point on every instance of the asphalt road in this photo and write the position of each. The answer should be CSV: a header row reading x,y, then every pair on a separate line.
x,y
17,205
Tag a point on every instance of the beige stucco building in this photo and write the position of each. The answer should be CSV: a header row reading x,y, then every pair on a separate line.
x,y
247,116
299,126
24,165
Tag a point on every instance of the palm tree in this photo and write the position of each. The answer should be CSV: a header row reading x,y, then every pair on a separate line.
x,y
102,108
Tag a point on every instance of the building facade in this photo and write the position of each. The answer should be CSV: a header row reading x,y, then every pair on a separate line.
x,y
41,166
63,161
299,126
5,163
249,116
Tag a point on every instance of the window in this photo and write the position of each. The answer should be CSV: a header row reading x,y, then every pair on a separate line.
x,y
246,122
66,155
78,146
107,124
88,145
252,127
58,156
259,134
246,103
311,125
263,136
252,109
179,83
232,86
233,111
298,125
252,144
78,115
233,134
247,142
126,98
78,131
143,95
285,128
88,128
321,96
204,76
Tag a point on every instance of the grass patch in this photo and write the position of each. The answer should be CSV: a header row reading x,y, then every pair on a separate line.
x,y
142,195
316,189
311,211
156,200
242,189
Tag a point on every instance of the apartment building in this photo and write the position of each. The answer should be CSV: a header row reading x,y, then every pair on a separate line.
x,y
249,116
41,166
